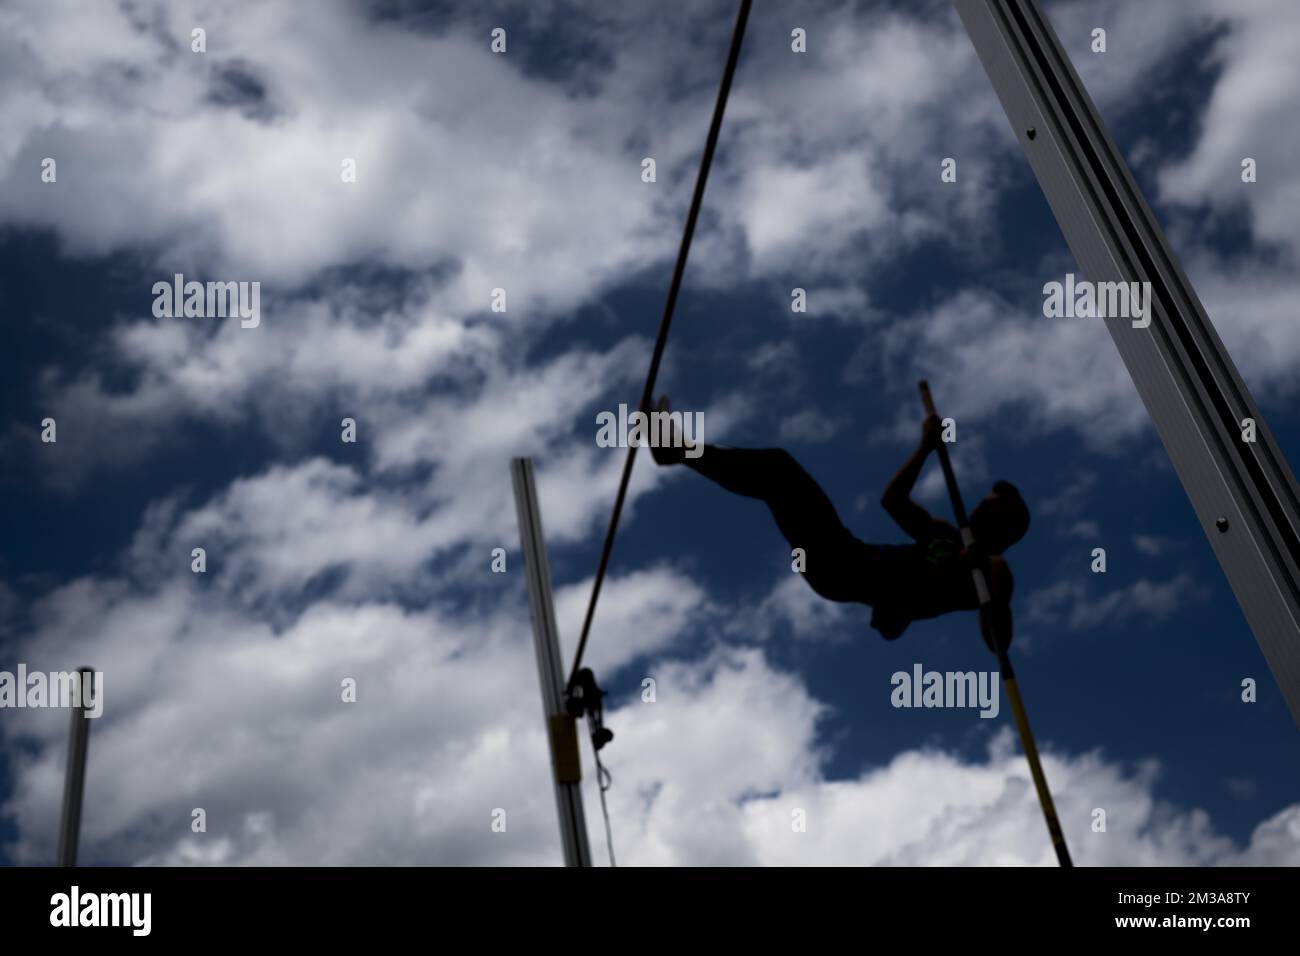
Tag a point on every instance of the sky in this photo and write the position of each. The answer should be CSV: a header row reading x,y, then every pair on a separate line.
x,y
371,561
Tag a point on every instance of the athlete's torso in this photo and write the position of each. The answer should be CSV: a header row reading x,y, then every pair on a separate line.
x,y
920,581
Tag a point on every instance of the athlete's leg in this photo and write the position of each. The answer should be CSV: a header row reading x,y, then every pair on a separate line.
x,y
839,566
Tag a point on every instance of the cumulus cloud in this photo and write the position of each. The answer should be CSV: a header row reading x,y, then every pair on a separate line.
x,y
924,807
808,425
1069,499
640,614
990,355
461,158
969,458
1088,530
797,187
473,173
206,705
209,707
793,605
1248,115
1153,545
1075,604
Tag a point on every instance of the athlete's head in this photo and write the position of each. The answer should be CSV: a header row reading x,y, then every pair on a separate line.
x,y
1000,519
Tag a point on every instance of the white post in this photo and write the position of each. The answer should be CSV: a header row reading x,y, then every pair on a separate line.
x,y
561,729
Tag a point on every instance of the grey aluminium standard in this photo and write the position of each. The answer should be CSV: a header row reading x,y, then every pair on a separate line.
x,y
560,725
1243,493
74,781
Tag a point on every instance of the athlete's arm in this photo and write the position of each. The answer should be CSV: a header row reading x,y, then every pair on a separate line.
x,y
897,499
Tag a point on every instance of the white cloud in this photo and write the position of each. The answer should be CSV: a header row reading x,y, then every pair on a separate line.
x,y
986,355
460,157
1088,530
1153,545
784,207
969,463
1074,604
798,186
1250,113
681,797
1071,498
639,614
466,162
849,303
1253,308
1139,39
268,537
792,603
808,425
209,708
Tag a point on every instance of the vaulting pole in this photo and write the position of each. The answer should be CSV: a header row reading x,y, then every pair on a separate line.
x,y
74,781
1004,662
561,728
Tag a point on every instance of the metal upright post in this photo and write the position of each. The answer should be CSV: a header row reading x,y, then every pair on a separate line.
x,y
561,728
1243,492
74,781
